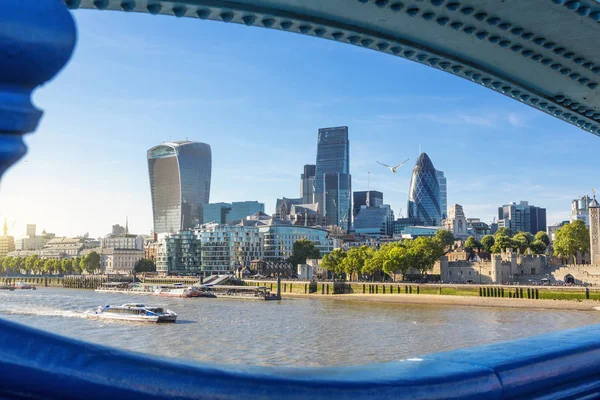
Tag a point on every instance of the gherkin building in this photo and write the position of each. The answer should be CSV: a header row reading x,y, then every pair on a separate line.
x,y
424,193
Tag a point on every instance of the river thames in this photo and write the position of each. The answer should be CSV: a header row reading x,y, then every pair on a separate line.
x,y
291,332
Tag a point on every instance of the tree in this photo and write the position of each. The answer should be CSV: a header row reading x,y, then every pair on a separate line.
x,y
91,262
502,243
303,249
446,238
543,236
333,261
355,260
145,265
39,266
424,252
397,260
572,238
521,241
502,232
487,242
472,243
30,263
375,262
538,247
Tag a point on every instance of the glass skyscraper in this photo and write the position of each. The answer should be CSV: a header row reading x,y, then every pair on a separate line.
x,y
443,193
424,193
179,184
333,185
307,184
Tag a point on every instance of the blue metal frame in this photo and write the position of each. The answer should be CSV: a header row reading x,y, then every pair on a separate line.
x,y
41,365
37,38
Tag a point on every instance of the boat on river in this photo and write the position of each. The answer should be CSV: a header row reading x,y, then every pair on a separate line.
x,y
134,312
24,286
240,292
179,290
124,288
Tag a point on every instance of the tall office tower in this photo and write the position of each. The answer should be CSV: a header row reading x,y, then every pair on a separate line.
x,y
369,198
179,184
443,193
522,217
337,205
215,212
333,157
31,230
307,184
424,193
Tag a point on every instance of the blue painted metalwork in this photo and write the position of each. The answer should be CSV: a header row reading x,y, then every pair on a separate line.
x,y
36,40
542,53
561,365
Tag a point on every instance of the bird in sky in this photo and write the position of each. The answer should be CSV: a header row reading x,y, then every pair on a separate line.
x,y
393,169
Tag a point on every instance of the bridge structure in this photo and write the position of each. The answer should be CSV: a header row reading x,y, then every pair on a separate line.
x,y
543,53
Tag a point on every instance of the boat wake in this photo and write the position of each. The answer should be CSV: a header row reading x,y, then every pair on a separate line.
x,y
45,312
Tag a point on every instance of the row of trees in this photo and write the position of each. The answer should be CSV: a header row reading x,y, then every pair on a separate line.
x,y
36,265
390,259
503,239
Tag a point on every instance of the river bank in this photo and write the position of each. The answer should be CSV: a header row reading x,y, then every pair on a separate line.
x,y
429,299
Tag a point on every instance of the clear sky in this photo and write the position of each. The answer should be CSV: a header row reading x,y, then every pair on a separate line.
x,y
258,97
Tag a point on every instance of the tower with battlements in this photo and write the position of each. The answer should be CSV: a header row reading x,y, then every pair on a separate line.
x,y
594,218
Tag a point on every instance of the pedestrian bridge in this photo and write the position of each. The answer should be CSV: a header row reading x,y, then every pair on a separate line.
x,y
543,53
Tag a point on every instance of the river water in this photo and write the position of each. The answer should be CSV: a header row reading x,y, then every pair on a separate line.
x,y
288,332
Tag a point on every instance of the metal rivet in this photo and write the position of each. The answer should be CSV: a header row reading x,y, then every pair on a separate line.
x,y
101,4
226,16
353,39
154,8
128,5
452,6
505,26
337,35
381,3
396,50
320,32
480,16
286,25
304,28
268,22
428,16
573,5
456,25
560,50
516,31
527,35
494,39
409,53
397,6
382,46
179,11
539,41
467,10
203,13
73,4
412,11
249,20
469,29
482,35
366,42
493,21
442,21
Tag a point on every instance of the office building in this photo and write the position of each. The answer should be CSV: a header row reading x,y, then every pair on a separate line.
x,y
242,209
369,198
279,240
552,229
30,229
337,205
522,217
118,229
375,221
7,243
443,193
307,184
401,223
424,193
283,207
179,253
33,241
580,209
121,261
225,248
477,228
180,174
332,176
215,212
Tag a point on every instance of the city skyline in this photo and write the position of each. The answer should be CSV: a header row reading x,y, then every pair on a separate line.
x,y
481,140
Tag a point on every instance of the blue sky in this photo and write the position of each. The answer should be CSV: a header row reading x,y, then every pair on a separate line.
x,y
258,97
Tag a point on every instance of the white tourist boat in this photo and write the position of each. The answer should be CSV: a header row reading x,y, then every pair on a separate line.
x,y
133,312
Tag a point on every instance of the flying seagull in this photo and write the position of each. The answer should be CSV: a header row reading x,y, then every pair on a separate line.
x,y
393,169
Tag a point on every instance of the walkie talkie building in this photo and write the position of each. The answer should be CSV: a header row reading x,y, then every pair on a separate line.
x,y
179,183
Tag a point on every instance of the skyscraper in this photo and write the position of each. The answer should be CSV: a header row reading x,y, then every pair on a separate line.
x,y
369,198
337,205
179,184
307,184
333,158
522,217
424,193
443,193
